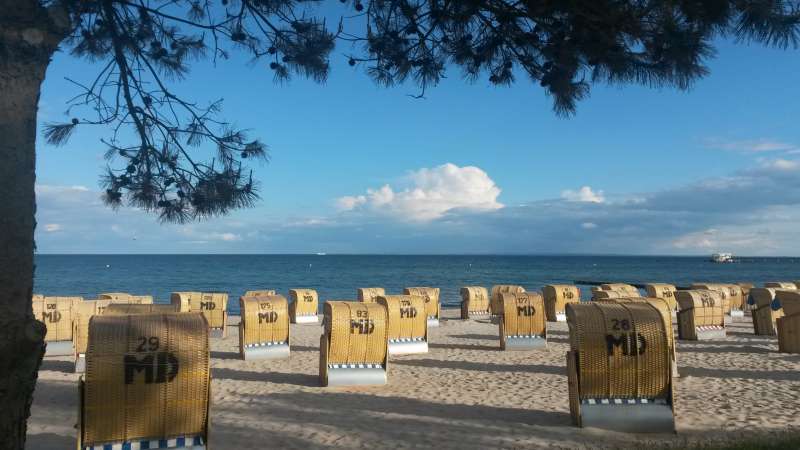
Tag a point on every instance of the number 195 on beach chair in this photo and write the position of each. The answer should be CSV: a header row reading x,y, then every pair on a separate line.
x,y
432,307
407,325
619,367
264,327
353,348
522,322
147,383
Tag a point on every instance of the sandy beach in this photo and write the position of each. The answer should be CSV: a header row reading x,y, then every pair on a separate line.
x,y
465,393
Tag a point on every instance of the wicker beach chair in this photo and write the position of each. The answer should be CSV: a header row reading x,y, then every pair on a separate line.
x,y
662,290
788,326
556,298
303,306
369,295
523,325
264,327
407,326
134,309
260,293
353,349
82,313
780,285
147,383
496,301
701,315
213,305
474,302
732,295
624,287
602,294
124,297
618,367
56,314
433,309
767,309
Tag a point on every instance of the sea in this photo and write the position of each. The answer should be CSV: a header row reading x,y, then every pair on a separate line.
x,y
336,277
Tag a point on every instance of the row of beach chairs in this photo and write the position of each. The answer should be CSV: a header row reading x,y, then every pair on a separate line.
x,y
141,357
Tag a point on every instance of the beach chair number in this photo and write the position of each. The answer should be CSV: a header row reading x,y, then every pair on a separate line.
x,y
268,317
568,294
362,326
707,301
158,367
308,298
667,293
631,344
208,306
265,305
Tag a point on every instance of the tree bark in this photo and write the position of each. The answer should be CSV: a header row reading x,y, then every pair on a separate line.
x,y
29,35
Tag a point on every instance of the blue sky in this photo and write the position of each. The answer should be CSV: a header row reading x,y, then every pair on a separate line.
x,y
472,168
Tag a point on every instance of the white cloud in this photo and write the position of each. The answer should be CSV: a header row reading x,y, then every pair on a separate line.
x,y
52,227
751,146
588,225
432,192
584,194
780,164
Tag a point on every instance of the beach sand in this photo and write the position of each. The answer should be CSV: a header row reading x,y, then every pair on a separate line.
x,y
465,393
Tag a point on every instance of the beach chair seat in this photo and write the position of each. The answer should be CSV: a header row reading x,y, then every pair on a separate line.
x,y
619,367
701,314
369,295
124,297
767,310
353,348
788,326
407,325
433,308
264,327
213,305
523,325
662,290
260,293
147,383
303,306
474,302
56,314
496,300
556,298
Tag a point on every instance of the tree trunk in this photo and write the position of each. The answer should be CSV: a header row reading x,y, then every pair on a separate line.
x,y
28,38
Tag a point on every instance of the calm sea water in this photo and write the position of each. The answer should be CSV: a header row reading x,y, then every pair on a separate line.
x,y
338,276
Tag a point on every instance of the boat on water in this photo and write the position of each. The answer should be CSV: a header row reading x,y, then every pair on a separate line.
x,y
722,258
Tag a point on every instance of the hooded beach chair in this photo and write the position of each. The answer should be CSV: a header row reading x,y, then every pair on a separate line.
x,y
304,305
264,327
353,347
556,298
788,326
369,295
56,314
260,293
433,309
701,314
124,297
767,310
619,367
624,287
780,285
133,309
407,326
496,300
732,297
147,383
662,290
474,302
602,294
213,305
523,325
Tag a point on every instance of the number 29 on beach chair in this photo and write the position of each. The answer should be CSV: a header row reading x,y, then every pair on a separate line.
x,y
353,348
522,322
264,327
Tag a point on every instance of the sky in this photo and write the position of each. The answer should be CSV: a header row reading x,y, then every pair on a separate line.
x,y
471,168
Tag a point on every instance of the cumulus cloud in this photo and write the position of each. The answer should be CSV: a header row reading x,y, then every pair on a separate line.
x,y
584,194
52,227
751,146
432,192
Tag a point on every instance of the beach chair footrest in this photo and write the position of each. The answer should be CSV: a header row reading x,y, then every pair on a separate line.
x,y
407,346
184,443
525,342
628,416
311,318
267,350
343,375
704,333
59,348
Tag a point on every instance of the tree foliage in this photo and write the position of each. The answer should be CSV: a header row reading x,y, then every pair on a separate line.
x,y
145,46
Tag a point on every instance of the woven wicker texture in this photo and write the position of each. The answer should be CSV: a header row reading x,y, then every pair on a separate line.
x,y
496,302
260,293
132,309
780,285
213,305
147,377
789,334
764,312
405,315
556,297
523,315
124,297
602,295
82,312
620,287
369,295
356,332
623,350
264,319
789,300
661,290
721,288
304,302
431,297
56,314
663,307
699,308
474,300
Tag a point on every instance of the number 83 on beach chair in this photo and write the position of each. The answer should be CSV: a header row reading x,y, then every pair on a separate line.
x,y
264,327
353,348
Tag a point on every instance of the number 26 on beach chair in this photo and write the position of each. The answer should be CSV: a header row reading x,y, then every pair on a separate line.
x,y
407,325
147,383
619,367
264,327
353,348
522,322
